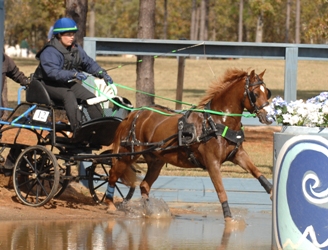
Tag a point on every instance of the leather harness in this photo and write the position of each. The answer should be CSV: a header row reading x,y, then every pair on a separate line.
x,y
187,136
210,129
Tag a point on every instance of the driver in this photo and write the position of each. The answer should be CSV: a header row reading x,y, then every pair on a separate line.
x,y
61,64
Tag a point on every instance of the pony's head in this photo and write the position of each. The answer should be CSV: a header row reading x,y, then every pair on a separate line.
x,y
252,94
256,96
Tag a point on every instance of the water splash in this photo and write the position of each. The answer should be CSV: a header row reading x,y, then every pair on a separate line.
x,y
149,208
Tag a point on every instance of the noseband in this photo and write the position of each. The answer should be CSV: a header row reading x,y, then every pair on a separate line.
x,y
251,95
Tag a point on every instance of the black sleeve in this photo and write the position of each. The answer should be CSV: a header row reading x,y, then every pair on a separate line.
x,y
13,71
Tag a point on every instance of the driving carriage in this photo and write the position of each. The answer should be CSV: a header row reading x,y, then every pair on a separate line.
x,y
204,137
57,157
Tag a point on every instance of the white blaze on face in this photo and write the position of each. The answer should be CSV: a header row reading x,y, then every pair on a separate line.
x,y
262,88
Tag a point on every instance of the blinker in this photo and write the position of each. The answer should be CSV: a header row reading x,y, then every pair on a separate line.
x,y
269,94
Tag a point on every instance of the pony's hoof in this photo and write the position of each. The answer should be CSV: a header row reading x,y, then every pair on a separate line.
x,y
111,208
234,224
116,213
109,205
227,220
112,212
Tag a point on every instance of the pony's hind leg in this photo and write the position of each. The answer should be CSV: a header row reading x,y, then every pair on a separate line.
x,y
120,170
154,168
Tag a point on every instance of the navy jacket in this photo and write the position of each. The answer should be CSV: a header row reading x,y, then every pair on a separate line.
x,y
52,62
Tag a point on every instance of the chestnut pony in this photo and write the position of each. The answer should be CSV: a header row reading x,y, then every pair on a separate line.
x,y
205,136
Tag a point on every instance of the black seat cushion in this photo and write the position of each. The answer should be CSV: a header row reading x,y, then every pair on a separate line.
x,y
37,93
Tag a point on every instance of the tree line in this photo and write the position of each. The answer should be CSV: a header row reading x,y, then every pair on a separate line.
x,y
273,21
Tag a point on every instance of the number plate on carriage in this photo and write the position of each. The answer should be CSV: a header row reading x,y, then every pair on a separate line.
x,y
41,115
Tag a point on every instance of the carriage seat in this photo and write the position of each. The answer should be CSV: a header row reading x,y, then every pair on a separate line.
x,y
37,93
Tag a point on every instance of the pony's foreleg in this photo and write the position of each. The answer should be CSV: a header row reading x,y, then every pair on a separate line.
x,y
226,210
215,175
265,184
243,160
222,195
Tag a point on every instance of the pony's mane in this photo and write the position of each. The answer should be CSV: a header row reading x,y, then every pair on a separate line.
x,y
218,86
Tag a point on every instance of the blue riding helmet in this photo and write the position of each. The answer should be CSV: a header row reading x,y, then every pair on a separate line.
x,y
63,25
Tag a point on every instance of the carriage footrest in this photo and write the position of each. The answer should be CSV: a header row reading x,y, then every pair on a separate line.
x,y
63,127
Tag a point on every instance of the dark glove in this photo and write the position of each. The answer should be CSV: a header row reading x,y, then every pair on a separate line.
x,y
80,76
24,81
108,79
102,74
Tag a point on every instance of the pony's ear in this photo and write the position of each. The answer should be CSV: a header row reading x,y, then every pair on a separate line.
x,y
252,75
261,75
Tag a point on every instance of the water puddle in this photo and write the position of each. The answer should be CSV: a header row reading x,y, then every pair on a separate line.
x,y
148,208
147,224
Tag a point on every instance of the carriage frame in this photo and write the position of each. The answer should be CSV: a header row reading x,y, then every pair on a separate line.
x,y
42,171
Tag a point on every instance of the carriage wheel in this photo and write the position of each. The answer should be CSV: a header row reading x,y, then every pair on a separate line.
x,y
98,180
36,176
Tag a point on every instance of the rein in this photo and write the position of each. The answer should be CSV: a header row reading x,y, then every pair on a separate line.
x,y
256,109
161,112
163,54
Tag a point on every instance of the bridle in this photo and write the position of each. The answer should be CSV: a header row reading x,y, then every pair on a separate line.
x,y
252,96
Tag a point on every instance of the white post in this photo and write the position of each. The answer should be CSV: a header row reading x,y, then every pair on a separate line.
x,y
89,46
290,90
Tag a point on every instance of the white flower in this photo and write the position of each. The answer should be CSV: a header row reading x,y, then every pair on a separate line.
x,y
325,108
313,112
